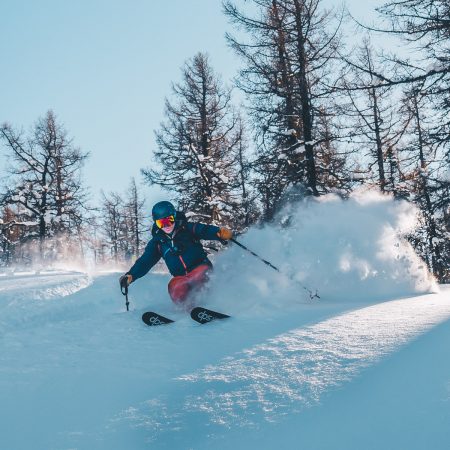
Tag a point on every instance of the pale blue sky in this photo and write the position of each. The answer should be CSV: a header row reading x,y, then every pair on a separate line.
x,y
104,67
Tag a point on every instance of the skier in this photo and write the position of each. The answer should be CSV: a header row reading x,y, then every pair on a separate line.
x,y
177,241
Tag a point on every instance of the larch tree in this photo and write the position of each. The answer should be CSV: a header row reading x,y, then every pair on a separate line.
x,y
423,26
374,119
287,75
425,183
45,185
136,220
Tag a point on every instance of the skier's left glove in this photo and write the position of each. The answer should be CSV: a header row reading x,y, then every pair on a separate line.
x,y
225,234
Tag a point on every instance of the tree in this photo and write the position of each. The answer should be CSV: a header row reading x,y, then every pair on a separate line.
x,y
114,225
45,180
287,72
422,173
123,224
135,219
246,209
424,27
374,120
197,144
11,235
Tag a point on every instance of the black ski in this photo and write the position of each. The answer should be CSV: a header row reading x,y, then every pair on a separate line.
x,y
199,314
152,319
203,315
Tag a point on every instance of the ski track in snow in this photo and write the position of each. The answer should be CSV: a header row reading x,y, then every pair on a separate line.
x,y
289,372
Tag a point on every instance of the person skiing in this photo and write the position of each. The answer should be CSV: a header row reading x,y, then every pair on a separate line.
x,y
177,241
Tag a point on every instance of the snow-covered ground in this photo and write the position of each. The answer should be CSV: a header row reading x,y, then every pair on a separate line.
x,y
366,366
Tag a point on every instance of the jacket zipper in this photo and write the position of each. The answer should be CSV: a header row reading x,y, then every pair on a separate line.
x,y
182,262
179,256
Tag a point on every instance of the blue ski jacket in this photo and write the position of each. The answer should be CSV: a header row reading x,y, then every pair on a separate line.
x,y
181,251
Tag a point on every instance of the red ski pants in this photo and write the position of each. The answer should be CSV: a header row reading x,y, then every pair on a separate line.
x,y
181,286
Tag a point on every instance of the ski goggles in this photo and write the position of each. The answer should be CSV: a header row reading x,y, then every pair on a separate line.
x,y
165,221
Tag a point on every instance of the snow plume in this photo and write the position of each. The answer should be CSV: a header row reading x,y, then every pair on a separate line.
x,y
65,252
60,252
349,250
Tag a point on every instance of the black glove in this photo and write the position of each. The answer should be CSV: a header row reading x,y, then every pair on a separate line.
x,y
125,280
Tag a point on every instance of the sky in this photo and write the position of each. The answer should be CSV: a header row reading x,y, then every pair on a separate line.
x,y
105,67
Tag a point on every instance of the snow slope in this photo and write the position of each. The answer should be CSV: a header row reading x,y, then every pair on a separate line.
x,y
89,375
366,366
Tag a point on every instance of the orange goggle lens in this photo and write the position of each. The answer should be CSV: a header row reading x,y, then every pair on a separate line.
x,y
165,221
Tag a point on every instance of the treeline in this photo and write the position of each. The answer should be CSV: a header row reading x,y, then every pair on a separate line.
x,y
324,112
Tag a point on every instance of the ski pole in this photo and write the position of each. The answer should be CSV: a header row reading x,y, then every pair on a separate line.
x,y
311,294
124,289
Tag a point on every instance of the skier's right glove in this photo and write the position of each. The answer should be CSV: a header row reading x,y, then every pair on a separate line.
x,y
125,280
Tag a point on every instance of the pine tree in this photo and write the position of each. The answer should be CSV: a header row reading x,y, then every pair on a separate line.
x,y
197,143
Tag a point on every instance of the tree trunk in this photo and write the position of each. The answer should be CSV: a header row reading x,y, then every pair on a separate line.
x,y
379,145
307,117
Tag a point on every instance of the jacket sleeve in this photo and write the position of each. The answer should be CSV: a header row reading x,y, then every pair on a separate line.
x,y
203,231
145,262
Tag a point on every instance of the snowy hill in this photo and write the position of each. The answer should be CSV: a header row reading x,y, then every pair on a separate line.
x,y
366,366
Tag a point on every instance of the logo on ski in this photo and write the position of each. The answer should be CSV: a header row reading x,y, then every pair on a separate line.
x,y
200,315
153,319
204,316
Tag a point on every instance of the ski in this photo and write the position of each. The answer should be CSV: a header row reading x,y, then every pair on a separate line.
x,y
153,319
199,314
203,315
